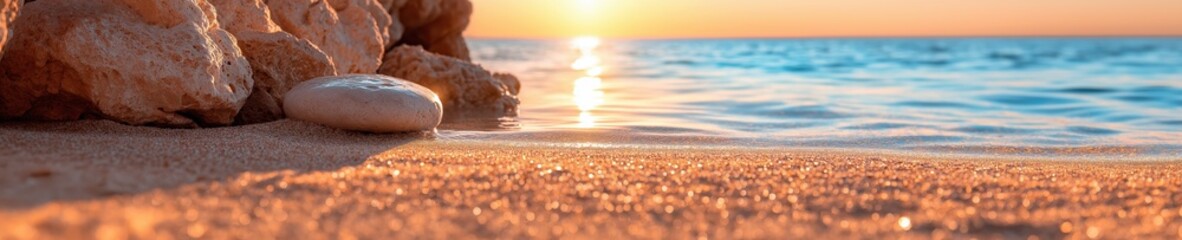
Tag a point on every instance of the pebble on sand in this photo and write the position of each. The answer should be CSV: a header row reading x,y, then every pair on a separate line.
x,y
365,102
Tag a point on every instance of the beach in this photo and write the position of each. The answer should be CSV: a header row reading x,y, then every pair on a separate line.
x,y
293,180
588,119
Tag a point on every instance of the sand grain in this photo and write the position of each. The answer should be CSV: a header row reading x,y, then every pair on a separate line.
x,y
291,180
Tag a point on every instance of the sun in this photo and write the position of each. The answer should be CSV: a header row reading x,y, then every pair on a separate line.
x,y
586,6
584,15
586,3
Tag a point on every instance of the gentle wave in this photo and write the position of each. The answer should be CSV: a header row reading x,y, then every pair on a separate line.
x,y
878,93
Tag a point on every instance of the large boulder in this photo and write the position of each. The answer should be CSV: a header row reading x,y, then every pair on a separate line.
x,y
278,60
365,102
437,25
164,62
8,12
353,33
462,86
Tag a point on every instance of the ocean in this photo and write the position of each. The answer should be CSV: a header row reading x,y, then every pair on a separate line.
x,y
1057,97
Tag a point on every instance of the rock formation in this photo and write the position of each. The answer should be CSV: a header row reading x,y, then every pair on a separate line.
x,y
353,33
365,102
8,12
278,60
462,86
163,62
217,62
437,25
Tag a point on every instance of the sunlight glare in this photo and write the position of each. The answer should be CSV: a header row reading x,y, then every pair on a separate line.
x,y
587,58
588,93
586,120
585,62
586,5
595,71
588,89
585,44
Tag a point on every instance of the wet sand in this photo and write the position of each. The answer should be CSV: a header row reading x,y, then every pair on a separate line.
x,y
291,180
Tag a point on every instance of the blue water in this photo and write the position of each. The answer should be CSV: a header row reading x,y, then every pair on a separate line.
x,y
962,94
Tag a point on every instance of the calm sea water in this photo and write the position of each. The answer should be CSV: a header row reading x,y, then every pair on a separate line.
x,y
1028,96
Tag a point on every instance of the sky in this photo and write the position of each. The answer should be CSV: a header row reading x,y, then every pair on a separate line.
x,y
823,18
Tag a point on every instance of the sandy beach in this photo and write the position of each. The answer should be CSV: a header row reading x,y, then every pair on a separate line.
x,y
590,119
292,180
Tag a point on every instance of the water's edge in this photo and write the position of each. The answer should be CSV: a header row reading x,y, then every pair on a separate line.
x,y
997,96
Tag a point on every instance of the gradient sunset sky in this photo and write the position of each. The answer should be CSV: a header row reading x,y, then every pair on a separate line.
x,y
823,18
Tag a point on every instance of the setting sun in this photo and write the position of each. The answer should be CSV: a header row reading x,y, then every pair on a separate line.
x,y
786,18
586,5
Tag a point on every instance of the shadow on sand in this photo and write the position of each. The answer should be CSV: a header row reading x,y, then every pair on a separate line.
x,y
45,162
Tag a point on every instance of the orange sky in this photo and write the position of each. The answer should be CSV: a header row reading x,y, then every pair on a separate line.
x,y
823,18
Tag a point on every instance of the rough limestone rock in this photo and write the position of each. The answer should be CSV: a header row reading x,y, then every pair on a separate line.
x,y
239,16
461,85
164,62
8,12
395,29
365,102
353,33
278,60
437,25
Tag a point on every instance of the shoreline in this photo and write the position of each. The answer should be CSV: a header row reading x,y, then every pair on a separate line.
x,y
97,179
610,139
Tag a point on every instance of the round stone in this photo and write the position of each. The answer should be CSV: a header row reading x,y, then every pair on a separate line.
x,y
364,102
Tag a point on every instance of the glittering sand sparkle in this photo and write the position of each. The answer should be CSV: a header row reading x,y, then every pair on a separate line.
x,y
288,180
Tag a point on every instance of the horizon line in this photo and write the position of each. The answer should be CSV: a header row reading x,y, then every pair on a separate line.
x,y
1081,36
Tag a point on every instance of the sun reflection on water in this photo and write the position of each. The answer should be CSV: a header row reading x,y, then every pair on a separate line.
x,y
588,93
588,89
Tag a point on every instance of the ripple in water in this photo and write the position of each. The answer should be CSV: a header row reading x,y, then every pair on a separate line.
x,y
904,94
